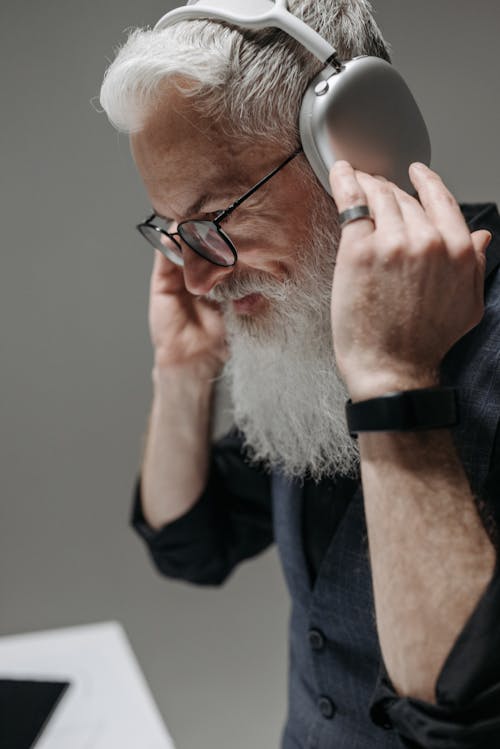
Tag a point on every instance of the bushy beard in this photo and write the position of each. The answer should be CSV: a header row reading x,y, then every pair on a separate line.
x,y
288,397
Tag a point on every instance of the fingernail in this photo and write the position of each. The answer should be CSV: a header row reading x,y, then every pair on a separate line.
x,y
418,166
342,163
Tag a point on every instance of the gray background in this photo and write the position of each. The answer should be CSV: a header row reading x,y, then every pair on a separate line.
x,y
76,357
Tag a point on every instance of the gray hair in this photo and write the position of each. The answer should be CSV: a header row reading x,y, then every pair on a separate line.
x,y
249,83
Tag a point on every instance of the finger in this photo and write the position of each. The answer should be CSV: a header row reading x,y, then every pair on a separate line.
x,y
481,240
383,204
418,224
163,266
166,278
440,206
348,193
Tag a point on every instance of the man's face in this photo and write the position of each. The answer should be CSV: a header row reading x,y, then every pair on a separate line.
x,y
287,396
191,170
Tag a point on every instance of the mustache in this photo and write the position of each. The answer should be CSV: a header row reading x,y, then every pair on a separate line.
x,y
236,287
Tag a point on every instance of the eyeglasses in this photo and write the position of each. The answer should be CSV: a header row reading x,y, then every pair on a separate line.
x,y
206,238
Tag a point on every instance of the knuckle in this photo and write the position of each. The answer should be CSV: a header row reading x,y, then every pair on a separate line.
x,y
443,196
463,254
465,251
447,198
396,243
393,247
433,176
385,189
361,254
434,181
430,240
353,196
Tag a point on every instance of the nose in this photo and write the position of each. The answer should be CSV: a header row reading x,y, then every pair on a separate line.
x,y
200,276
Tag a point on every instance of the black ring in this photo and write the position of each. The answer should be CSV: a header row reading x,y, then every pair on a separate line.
x,y
354,214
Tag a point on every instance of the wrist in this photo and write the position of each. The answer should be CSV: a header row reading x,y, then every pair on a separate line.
x,y
364,386
203,370
182,402
404,411
186,385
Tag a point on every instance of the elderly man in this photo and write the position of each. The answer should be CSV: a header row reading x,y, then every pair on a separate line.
x,y
387,541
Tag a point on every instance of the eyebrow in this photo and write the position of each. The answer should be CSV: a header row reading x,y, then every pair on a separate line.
x,y
207,198
200,203
194,208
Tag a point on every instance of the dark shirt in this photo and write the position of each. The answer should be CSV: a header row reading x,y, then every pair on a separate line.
x,y
232,521
323,506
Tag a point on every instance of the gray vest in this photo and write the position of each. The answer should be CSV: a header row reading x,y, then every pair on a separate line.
x,y
334,655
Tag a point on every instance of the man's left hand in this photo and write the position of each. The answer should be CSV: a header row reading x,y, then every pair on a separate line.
x,y
408,281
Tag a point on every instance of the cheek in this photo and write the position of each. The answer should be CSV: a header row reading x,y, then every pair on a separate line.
x,y
278,261
270,245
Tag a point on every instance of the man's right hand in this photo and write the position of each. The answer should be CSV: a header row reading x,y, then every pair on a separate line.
x,y
185,330
188,336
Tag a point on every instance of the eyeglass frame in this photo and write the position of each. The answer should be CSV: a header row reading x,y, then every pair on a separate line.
x,y
221,216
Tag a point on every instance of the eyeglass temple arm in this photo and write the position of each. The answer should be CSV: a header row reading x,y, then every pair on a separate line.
x,y
253,189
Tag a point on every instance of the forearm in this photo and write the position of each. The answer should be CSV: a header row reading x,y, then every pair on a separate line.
x,y
176,456
430,555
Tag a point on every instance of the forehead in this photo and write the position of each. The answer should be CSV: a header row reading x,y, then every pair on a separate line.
x,y
179,153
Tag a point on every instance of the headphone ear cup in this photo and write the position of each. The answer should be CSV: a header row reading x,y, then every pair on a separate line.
x,y
367,115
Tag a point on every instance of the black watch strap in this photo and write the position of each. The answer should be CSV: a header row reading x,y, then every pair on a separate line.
x,y
405,411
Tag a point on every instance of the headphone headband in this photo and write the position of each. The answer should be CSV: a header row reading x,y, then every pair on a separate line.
x,y
359,110
265,14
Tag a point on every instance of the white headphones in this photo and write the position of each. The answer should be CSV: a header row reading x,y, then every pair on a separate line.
x,y
360,110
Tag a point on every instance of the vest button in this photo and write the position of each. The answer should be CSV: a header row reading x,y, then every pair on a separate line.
x,y
316,639
326,707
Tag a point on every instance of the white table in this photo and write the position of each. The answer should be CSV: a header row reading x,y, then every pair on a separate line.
x,y
108,705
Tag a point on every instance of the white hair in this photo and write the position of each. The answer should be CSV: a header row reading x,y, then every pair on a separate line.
x,y
249,83
288,398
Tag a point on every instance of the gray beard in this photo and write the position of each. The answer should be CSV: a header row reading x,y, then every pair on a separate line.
x,y
288,397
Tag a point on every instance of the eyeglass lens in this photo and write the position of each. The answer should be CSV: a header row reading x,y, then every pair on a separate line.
x,y
162,242
205,239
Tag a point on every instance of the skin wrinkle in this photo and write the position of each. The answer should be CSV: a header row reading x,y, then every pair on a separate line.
x,y
250,217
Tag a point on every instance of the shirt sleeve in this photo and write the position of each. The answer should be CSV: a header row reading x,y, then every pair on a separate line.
x,y
230,522
467,710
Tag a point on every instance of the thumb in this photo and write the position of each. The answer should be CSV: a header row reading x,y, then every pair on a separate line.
x,y
481,240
